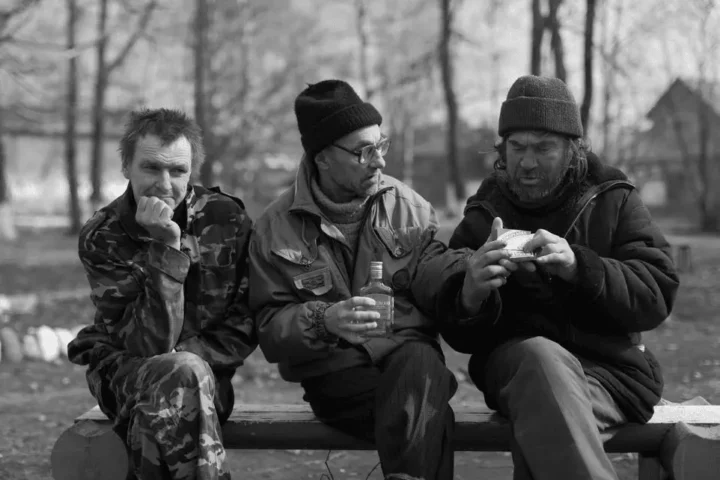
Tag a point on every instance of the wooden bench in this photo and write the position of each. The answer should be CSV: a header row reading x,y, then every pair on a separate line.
x,y
681,439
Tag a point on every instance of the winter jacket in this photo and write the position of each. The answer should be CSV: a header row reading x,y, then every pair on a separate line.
x,y
626,284
296,272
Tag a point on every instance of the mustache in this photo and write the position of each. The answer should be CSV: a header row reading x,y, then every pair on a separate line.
x,y
529,175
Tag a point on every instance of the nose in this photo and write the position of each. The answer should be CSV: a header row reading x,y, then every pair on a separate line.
x,y
528,160
163,181
377,161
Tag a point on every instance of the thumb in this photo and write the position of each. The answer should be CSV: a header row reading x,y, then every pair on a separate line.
x,y
497,224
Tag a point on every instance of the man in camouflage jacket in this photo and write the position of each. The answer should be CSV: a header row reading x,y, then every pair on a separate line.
x,y
167,264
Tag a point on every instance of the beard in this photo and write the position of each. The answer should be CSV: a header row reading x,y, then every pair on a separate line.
x,y
547,183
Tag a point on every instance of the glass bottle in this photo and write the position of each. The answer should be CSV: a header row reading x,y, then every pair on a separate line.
x,y
384,301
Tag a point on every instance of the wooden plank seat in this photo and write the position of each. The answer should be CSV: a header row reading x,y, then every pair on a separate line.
x,y
693,430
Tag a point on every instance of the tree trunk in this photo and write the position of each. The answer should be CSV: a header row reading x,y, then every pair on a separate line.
x,y
363,46
408,150
587,99
7,222
538,29
556,43
70,120
201,27
446,66
98,132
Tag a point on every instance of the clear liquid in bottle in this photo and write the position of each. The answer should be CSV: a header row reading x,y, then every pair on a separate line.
x,y
384,301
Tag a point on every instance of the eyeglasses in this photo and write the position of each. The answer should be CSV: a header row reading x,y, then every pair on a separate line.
x,y
368,152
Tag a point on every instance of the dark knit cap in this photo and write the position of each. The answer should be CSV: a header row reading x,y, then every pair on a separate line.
x,y
540,103
329,110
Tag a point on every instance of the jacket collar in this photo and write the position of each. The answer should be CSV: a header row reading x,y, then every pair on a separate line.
x,y
127,207
303,200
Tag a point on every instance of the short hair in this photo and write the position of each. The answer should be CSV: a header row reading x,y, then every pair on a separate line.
x,y
579,148
167,124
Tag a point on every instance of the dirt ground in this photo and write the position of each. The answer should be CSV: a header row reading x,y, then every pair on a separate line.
x,y
39,400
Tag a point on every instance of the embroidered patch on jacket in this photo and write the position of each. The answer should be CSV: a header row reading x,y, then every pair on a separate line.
x,y
316,281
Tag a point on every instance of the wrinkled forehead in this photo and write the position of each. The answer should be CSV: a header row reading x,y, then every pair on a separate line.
x,y
152,147
534,137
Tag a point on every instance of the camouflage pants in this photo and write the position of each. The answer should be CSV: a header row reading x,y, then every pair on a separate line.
x,y
168,405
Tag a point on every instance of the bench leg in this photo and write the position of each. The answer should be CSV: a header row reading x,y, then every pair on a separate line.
x,y
89,451
690,452
649,468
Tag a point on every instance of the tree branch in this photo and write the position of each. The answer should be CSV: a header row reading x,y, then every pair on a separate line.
x,y
137,34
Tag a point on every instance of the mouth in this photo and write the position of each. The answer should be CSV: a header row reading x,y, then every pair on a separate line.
x,y
529,181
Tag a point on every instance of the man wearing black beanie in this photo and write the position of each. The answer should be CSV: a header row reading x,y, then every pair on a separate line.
x,y
309,257
555,339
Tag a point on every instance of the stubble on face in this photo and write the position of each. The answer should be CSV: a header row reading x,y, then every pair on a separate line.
x,y
536,164
161,171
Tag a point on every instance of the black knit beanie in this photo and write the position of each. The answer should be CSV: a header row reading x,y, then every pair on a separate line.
x,y
329,110
540,103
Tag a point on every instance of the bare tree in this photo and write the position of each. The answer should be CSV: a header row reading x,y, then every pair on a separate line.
x,y
363,31
71,119
104,71
7,223
202,64
556,43
588,57
538,30
551,23
447,72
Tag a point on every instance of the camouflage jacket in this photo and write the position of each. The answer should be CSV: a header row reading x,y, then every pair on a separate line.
x,y
151,298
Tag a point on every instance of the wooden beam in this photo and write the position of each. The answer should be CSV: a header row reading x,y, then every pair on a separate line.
x,y
477,429
691,452
89,450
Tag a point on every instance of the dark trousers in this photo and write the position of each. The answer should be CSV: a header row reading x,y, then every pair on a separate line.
x,y
400,404
560,416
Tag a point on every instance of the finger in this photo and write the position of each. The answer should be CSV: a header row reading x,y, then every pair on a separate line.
x,y
490,272
551,258
497,224
508,265
360,302
539,240
142,204
489,258
494,283
527,266
357,327
166,212
360,316
489,246
157,208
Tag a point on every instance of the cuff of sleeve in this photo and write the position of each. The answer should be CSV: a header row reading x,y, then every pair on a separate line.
x,y
169,261
590,271
317,317
490,309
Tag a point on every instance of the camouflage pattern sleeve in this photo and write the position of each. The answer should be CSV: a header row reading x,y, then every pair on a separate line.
x,y
225,345
142,308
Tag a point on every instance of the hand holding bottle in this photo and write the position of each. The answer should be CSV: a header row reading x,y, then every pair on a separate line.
x,y
351,318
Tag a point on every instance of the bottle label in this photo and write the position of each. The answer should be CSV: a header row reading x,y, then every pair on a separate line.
x,y
383,304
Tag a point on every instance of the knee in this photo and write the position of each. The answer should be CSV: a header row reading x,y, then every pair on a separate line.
x,y
418,363
184,369
529,360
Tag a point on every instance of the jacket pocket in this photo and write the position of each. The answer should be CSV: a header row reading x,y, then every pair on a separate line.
x,y
403,246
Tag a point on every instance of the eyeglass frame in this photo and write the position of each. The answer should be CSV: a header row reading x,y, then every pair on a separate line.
x,y
373,149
